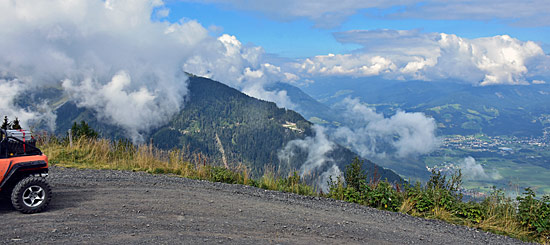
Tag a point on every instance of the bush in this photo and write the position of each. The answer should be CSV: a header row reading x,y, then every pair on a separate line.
x,y
221,174
439,192
336,189
471,211
534,214
382,195
377,194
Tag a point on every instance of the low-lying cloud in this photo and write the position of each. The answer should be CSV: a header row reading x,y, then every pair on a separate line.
x,y
110,56
135,110
475,171
28,117
366,132
371,134
317,148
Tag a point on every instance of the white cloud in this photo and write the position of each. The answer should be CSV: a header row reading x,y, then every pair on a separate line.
x,y
115,59
89,43
331,13
366,132
372,135
474,171
136,110
347,64
163,13
11,89
241,67
533,13
325,13
317,148
433,56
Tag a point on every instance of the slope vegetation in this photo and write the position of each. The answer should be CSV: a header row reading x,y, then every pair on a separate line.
x,y
220,122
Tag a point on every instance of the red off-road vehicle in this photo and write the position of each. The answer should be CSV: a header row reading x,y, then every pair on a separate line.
x,y
23,171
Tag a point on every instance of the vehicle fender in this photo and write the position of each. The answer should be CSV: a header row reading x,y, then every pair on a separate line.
x,y
23,166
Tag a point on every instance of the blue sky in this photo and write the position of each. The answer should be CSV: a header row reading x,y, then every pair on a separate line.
x,y
300,37
293,39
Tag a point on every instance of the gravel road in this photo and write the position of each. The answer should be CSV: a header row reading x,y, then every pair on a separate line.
x,y
120,207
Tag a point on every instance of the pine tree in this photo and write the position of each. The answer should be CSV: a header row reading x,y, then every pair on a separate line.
x,y
15,124
6,123
83,129
355,175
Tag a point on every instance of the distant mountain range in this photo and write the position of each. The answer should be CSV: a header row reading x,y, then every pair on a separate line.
x,y
460,109
224,125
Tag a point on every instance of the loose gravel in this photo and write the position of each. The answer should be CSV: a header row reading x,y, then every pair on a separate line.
x,y
123,207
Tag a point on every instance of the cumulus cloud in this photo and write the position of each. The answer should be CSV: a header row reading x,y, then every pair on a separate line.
x,y
241,67
88,44
135,110
114,58
11,88
372,135
317,148
347,64
474,171
331,13
411,54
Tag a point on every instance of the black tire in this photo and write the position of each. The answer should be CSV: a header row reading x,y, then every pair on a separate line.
x,y
31,195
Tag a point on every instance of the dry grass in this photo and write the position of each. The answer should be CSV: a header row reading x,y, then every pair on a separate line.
x,y
407,207
501,219
106,154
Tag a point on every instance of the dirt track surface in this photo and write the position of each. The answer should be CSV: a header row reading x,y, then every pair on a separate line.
x,y
118,207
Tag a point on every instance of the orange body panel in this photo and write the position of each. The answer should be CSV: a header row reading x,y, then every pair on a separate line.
x,y
5,163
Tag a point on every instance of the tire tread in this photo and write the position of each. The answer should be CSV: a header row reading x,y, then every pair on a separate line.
x,y
21,186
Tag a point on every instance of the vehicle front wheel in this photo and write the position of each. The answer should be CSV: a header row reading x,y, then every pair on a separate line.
x,y
31,195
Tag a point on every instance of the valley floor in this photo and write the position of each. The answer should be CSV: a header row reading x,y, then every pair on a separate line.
x,y
121,207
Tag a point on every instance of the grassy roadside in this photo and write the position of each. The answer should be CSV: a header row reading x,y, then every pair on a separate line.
x,y
526,218
123,155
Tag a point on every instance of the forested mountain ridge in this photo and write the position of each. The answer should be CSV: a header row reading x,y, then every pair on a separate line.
x,y
221,122
251,131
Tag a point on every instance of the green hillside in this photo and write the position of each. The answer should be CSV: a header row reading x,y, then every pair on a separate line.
x,y
222,123
251,131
